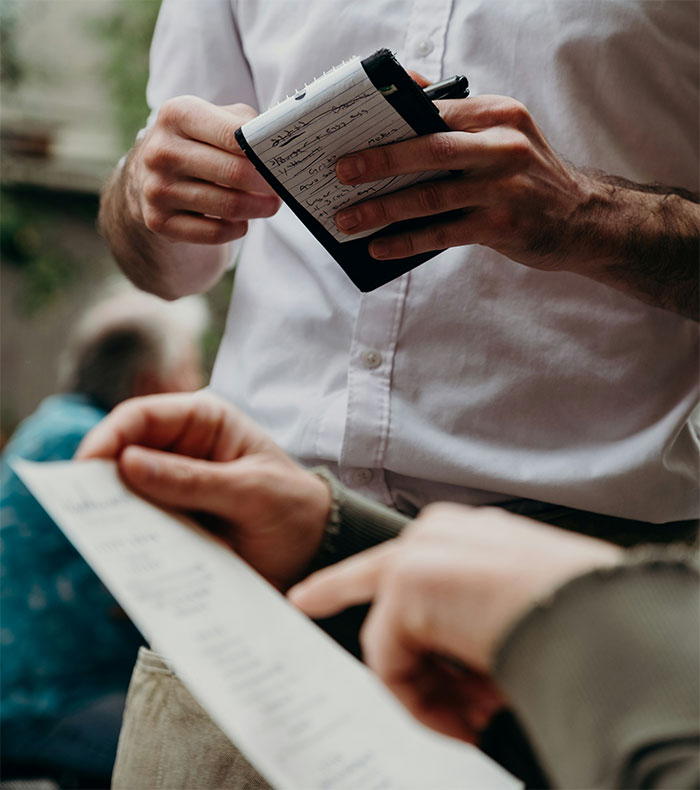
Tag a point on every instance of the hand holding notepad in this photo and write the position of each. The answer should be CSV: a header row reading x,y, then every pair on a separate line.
x,y
295,146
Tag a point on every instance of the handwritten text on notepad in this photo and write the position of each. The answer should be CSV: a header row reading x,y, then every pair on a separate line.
x,y
301,139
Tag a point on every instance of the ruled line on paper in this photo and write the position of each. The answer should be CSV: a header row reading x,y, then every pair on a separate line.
x,y
301,139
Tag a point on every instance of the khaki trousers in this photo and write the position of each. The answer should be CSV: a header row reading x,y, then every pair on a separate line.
x,y
168,742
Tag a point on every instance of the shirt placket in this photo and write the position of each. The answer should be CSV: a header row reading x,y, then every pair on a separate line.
x,y
376,331
424,47
369,388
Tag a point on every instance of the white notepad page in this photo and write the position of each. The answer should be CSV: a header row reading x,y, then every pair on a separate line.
x,y
305,713
300,140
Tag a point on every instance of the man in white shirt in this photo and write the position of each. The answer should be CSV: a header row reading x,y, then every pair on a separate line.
x,y
474,377
514,367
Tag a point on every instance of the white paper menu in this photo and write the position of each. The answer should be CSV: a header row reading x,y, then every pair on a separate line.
x,y
306,714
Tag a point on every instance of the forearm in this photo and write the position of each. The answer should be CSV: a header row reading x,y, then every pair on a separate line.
x,y
643,240
153,263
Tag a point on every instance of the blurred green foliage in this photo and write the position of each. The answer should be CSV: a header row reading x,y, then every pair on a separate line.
x,y
126,33
10,64
31,240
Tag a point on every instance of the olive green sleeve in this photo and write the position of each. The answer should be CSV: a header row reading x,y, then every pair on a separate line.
x,y
604,676
355,523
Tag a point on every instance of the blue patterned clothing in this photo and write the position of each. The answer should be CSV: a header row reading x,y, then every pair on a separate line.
x,y
63,640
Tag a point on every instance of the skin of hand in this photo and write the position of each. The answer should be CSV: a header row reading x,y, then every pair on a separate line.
x,y
515,195
444,594
183,191
190,181
196,453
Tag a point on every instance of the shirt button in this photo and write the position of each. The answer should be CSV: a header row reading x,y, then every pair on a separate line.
x,y
371,359
361,477
424,47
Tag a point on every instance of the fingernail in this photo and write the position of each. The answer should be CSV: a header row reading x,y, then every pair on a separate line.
x,y
380,249
347,219
350,168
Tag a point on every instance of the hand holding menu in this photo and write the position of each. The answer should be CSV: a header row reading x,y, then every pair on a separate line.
x,y
295,145
304,712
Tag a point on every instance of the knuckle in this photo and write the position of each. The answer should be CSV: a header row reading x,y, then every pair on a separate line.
x,y
384,159
443,147
158,154
230,172
431,198
229,204
375,213
520,150
440,237
154,219
242,112
227,136
517,114
409,245
154,190
436,510
187,480
173,111
502,221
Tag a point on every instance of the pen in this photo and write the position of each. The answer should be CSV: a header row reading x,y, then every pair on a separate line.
x,y
456,87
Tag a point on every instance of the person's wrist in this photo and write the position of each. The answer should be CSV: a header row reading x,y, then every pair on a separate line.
x,y
588,227
130,186
320,500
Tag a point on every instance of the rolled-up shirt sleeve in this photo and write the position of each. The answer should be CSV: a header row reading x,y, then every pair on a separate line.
x,y
196,50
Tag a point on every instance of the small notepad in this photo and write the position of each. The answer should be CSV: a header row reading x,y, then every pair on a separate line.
x,y
295,145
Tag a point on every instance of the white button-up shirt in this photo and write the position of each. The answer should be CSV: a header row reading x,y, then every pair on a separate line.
x,y
471,378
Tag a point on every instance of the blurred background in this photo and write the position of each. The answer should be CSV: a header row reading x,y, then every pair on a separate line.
x,y
73,77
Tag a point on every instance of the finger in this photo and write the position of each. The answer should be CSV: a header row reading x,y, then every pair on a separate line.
x,y
207,163
493,149
403,664
483,112
155,421
419,78
348,583
201,120
422,200
467,229
177,481
215,201
194,228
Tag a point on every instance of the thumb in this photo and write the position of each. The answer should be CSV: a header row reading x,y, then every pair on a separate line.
x,y
178,481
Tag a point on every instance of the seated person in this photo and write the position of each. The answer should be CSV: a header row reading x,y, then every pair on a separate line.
x,y
460,584
67,650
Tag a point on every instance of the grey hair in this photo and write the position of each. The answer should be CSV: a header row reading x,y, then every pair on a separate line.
x,y
123,336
